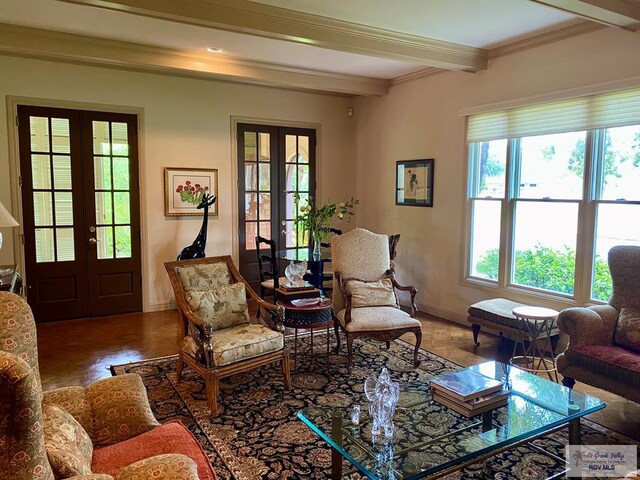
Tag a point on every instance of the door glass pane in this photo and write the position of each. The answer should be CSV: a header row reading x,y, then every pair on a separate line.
x,y
250,177
41,171
251,231
621,163
265,147
485,239
613,228
39,128
290,148
303,149
60,135
292,178
62,172
119,139
65,245
290,207
265,206
123,242
545,245
265,230
42,208
101,145
250,148
64,208
122,212
251,206
490,169
265,177
291,234
104,212
44,245
102,173
104,236
552,166
121,173
303,178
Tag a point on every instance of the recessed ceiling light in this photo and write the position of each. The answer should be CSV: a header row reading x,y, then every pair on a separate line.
x,y
214,49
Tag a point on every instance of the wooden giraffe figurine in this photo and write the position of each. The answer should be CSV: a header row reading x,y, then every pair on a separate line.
x,y
196,249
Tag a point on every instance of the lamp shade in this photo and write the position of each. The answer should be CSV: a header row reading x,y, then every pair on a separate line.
x,y
6,220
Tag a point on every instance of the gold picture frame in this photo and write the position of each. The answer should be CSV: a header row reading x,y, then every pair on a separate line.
x,y
182,188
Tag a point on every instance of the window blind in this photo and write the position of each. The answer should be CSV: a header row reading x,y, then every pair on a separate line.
x,y
605,110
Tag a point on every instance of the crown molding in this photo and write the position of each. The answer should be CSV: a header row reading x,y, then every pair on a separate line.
x,y
253,18
411,77
46,44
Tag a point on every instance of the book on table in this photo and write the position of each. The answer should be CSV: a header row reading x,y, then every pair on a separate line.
x,y
475,406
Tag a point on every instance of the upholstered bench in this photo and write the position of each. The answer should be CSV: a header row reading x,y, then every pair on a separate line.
x,y
495,315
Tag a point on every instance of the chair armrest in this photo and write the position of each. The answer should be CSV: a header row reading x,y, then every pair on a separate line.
x,y
588,326
411,289
274,313
92,476
171,466
74,401
346,295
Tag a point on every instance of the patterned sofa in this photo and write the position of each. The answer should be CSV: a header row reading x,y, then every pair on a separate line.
x,y
604,340
101,432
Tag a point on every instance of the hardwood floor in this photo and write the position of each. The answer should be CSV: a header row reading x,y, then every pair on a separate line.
x,y
78,352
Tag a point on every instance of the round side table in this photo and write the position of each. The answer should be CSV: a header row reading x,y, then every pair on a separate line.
x,y
539,323
307,314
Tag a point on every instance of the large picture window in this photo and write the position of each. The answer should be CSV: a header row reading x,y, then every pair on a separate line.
x,y
545,207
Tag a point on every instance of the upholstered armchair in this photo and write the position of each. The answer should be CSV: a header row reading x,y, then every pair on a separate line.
x,y
101,432
364,294
219,339
604,340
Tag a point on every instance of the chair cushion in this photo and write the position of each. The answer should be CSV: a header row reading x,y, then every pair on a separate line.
x,y
69,448
377,318
223,307
172,437
234,344
269,283
204,276
628,329
615,362
371,294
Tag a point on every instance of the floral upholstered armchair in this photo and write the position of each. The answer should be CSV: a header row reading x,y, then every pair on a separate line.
x,y
364,294
218,339
101,432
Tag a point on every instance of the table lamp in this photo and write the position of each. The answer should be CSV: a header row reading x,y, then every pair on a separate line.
x,y
6,220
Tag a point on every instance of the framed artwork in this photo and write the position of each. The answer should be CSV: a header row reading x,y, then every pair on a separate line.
x,y
414,182
184,188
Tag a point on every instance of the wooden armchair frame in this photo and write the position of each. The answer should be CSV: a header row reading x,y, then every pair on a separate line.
x,y
382,335
203,333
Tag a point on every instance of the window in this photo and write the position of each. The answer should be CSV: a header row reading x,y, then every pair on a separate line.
x,y
551,189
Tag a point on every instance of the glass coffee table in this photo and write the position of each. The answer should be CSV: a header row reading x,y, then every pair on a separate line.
x,y
431,440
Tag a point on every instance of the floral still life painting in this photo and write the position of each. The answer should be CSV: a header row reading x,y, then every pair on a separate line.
x,y
185,187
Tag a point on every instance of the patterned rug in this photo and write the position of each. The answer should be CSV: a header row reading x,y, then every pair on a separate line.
x,y
258,436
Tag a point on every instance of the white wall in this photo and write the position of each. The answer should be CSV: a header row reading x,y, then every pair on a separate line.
x,y
187,122
421,120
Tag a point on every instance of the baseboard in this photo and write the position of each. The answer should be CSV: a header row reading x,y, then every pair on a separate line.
x,y
436,311
160,306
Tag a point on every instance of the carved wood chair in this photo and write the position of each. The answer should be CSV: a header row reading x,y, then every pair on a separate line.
x,y
364,298
218,338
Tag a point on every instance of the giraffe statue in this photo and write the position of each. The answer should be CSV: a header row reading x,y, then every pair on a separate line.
x,y
196,249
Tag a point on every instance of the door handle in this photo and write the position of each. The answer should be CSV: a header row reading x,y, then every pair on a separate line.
x,y
283,232
93,241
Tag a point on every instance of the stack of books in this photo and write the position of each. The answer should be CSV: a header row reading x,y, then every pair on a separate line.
x,y
468,393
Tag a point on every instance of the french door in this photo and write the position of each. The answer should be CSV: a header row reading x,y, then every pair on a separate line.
x,y
81,215
274,164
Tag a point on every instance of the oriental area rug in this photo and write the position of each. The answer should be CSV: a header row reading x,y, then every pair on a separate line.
x,y
257,435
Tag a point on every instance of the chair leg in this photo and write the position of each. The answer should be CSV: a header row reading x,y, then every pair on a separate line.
x,y
349,352
388,345
286,369
212,387
476,330
179,369
568,382
416,362
336,329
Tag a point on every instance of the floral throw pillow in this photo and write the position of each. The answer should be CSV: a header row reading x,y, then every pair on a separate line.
x,y
371,294
223,307
628,329
69,448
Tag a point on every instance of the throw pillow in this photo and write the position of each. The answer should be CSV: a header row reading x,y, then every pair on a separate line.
x,y
204,276
371,294
69,448
223,307
628,329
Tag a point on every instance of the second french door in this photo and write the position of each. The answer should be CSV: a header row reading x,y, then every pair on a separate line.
x,y
274,164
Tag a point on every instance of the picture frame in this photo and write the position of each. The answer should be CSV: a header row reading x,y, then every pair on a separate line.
x,y
414,182
180,202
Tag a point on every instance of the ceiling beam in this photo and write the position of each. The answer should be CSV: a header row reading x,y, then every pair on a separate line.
x,y
33,42
623,14
253,18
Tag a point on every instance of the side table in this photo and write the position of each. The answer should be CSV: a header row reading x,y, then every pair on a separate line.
x,y
308,313
539,323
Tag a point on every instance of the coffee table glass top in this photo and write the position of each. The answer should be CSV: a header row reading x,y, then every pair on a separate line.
x,y
430,437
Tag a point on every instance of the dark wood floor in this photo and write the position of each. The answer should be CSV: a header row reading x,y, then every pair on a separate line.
x,y
78,352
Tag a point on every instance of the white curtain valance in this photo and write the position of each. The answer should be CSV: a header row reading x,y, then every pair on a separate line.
x,y
604,110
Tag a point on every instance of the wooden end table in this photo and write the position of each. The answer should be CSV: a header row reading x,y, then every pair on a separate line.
x,y
308,313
